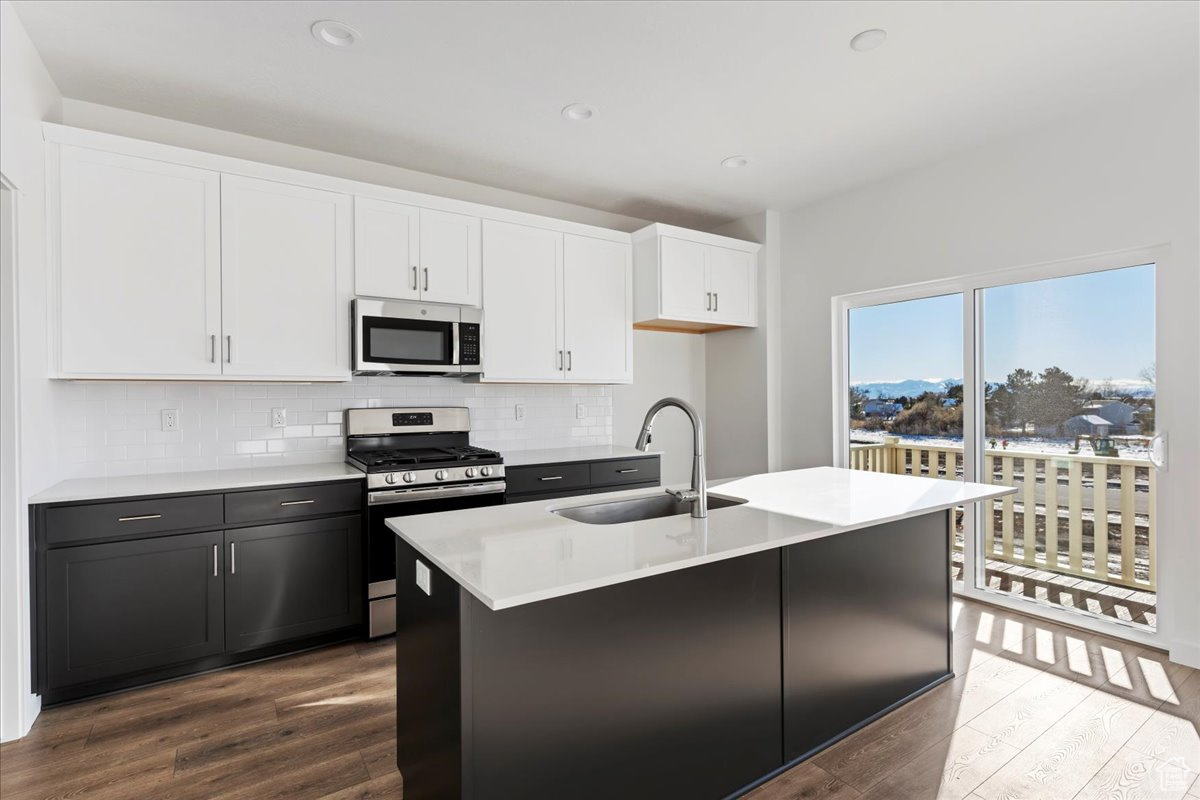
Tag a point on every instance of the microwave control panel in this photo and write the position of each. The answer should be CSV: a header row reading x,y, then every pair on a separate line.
x,y
468,343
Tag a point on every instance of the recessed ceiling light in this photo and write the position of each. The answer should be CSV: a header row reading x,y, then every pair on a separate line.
x,y
868,40
332,33
735,162
578,112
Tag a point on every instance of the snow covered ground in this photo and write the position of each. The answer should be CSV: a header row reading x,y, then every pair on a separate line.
x,y
1131,448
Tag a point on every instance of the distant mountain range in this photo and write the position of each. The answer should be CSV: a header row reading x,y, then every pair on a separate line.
x,y
908,388
913,387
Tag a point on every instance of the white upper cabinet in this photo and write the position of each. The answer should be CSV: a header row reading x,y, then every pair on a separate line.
x,y
597,310
403,252
522,303
139,266
692,281
449,258
286,272
387,253
556,307
731,279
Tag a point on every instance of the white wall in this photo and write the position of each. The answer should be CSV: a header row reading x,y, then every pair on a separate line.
x,y
1120,177
27,96
741,369
664,365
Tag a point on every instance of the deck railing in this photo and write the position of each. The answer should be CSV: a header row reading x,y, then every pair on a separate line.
x,y
1090,516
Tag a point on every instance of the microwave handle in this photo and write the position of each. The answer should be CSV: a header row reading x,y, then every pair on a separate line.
x,y
454,360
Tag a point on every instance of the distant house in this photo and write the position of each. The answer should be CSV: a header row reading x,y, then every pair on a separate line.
x,y
1089,424
1121,416
881,408
949,402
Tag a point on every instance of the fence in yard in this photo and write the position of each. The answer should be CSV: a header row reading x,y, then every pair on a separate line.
x,y
1087,516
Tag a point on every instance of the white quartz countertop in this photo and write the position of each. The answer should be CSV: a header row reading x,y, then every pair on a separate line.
x,y
511,555
211,480
562,455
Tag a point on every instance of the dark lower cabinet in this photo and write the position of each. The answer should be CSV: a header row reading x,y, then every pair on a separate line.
x,y
291,580
123,596
123,607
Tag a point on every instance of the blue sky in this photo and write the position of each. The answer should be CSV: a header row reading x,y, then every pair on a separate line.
x,y
1095,326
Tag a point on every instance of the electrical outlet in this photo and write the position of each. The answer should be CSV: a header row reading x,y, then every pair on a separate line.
x,y
423,578
580,411
278,417
170,419
519,412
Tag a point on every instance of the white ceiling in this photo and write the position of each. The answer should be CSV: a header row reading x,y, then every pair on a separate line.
x,y
473,90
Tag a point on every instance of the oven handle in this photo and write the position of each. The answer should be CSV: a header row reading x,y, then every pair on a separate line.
x,y
434,493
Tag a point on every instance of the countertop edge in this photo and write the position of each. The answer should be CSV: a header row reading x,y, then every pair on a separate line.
x,y
191,483
599,583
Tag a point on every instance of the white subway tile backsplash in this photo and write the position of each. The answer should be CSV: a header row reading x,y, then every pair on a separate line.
x,y
114,428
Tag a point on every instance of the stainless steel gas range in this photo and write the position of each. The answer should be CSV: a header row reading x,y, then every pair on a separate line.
x,y
418,461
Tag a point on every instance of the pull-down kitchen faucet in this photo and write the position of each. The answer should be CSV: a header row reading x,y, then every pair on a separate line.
x,y
698,494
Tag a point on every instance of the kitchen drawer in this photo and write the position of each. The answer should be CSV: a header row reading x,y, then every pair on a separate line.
x,y
547,478
625,470
314,500
75,524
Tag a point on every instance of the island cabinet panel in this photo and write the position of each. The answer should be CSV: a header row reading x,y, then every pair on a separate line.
x,y
865,625
663,687
124,607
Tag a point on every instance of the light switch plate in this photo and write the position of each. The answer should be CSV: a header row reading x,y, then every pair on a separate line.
x,y
580,411
519,412
170,419
423,578
278,417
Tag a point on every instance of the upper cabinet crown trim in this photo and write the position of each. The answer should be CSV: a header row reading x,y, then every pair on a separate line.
x,y
55,133
660,229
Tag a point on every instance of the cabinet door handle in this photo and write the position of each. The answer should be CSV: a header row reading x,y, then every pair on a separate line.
x,y
708,301
551,478
297,502
233,558
139,518
414,277
212,348
216,556
426,289
560,360
228,348
625,471
569,361
716,301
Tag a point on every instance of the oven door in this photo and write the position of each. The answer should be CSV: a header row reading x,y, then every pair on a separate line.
x,y
405,337
381,541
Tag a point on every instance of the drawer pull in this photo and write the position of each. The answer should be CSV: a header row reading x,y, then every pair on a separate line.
x,y
551,478
626,471
136,519
297,502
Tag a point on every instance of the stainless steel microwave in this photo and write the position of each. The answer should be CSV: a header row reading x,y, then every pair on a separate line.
x,y
392,337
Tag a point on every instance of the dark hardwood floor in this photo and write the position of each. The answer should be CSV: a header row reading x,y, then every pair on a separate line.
x,y
1035,711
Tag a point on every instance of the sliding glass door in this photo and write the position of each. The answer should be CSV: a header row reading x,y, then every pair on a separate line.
x,y
1069,395
1042,379
905,395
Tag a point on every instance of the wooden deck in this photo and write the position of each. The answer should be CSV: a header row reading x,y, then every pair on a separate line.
x,y
1036,710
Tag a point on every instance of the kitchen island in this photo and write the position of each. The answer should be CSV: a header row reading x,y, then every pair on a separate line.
x,y
542,657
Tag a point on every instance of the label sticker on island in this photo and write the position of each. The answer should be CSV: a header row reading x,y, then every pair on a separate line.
x,y
423,577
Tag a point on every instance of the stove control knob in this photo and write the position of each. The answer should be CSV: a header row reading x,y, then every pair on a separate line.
x,y
440,475
390,478
470,473
485,471
409,477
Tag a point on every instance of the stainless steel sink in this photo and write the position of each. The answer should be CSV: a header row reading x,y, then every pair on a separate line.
x,y
662,505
